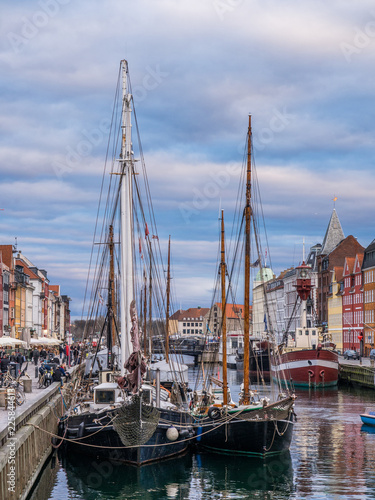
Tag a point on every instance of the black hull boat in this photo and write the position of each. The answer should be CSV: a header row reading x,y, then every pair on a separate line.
x,y
264,431
120,414
93,434
261,423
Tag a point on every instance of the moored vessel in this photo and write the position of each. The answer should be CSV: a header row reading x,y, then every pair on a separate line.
x,y
119,413
305,360
260,423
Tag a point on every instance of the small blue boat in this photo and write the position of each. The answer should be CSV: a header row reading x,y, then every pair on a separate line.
x,y
368,418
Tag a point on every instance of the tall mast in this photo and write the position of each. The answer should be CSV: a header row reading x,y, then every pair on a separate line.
x,y
246,361
224,313
168,300
126,162
150,306
112,285
145,315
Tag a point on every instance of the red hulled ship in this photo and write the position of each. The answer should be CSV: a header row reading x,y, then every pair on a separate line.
x,y
305,361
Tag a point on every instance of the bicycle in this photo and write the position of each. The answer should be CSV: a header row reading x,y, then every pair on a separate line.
x,y
44,379
7,379
18,395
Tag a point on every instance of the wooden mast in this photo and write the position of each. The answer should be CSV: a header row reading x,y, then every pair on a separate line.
x,y
168,300
246,361
224,315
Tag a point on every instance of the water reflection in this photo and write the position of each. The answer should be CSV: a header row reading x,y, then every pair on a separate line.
x,y
242,477
193,476
94,479
332,457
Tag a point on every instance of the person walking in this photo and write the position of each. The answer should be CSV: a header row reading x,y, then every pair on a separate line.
x,y
36,355
20,359
4,363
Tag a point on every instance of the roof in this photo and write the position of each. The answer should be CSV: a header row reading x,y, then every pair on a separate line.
x,y
334,234
233,311
7,255
191,313
264,274
338,273
27,270
55,288
350,263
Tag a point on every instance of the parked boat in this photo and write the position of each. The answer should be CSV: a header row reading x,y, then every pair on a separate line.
x,y
234,342
305,360
261,422
368,418
259,358
122,415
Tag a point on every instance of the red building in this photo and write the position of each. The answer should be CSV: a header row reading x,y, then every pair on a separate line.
x,y
352,304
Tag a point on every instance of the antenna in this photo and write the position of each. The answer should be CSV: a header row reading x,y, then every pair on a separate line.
x,y
303,249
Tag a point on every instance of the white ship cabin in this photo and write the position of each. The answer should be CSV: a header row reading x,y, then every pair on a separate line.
x,y
106,394
305,338
235,340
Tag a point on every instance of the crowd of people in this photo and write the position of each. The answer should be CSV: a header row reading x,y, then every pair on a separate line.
x,y
51,361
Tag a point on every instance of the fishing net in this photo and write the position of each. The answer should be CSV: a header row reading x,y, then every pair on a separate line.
x,y
135,422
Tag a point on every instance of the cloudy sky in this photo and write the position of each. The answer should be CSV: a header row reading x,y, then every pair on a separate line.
x,y
304,70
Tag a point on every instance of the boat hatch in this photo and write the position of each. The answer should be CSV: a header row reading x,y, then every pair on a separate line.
x,y
147,396
106,376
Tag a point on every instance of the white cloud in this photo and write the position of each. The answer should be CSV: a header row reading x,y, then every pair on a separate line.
x,y
196,71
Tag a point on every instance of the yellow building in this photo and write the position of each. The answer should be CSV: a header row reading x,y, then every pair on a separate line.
x,y
334,304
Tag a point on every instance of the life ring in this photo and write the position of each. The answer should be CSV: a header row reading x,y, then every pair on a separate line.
x,y
321,373
214,412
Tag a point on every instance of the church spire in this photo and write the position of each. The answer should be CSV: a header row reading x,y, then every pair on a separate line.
x,y
334,234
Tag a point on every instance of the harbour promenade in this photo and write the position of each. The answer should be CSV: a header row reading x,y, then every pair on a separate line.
x,y
25,435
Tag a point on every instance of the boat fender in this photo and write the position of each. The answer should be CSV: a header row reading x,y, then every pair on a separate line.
x,y
184,434
311,373
172,434
81,429
321,373
214,412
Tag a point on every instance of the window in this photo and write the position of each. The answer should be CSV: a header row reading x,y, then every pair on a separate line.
x,y
188,330
184,324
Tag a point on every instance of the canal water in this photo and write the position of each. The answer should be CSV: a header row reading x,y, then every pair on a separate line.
x,y
332,456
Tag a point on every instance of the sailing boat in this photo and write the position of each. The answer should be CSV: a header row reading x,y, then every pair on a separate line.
x,y
254,425
123,416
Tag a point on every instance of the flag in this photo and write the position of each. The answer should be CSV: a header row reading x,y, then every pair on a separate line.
x,y
147,232
335,198
101,300
140,248
154,237
255,264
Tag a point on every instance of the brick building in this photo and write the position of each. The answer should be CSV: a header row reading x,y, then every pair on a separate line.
x,y
368,270
335,249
